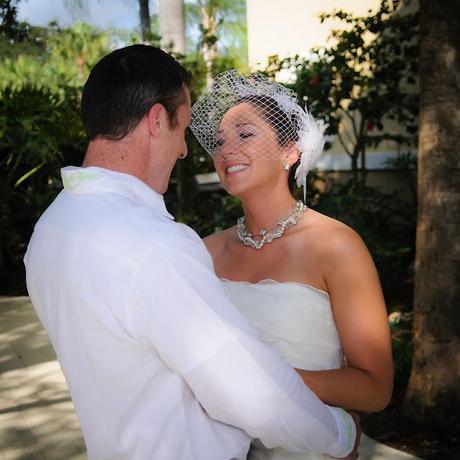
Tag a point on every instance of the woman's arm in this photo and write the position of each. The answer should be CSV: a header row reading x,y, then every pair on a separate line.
x,y
360,314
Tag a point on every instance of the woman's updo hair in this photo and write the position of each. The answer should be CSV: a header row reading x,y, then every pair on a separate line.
x,y
286,127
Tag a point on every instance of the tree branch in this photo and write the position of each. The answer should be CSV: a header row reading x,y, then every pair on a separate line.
x,y
347,151
353,122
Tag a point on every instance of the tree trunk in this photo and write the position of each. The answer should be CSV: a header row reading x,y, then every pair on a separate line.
x,y
144,14
354,165
363,167
172,25
209,47
434,385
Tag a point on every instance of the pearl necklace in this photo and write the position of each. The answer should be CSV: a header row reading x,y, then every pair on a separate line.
x,y
268,235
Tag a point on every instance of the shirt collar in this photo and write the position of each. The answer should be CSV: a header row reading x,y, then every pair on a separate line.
x,y
96,180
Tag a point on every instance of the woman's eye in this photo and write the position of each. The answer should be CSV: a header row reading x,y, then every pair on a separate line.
x,y
219,142
246,135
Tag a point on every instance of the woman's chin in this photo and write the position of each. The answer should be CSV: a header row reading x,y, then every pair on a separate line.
x,y
235,184
235,190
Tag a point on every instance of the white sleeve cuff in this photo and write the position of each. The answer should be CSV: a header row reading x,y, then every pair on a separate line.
x,y
346,436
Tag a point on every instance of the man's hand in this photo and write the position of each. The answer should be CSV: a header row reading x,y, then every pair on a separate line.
x,y
354,453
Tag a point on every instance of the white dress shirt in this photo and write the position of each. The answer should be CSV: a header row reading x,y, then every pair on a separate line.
x,y
159,363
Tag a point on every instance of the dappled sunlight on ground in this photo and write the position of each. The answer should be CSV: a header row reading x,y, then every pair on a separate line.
x,y
37,417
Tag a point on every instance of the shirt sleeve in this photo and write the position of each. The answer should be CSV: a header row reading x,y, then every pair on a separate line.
x,y
236,378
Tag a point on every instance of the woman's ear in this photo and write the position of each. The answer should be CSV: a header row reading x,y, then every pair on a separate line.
x,y
291,154
157,119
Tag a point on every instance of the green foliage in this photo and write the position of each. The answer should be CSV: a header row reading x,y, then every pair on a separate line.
x,y
214,211
39,133
387,226
401,340
52,59
41,78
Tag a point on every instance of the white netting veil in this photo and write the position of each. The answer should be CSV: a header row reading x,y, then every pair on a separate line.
x,y
253,117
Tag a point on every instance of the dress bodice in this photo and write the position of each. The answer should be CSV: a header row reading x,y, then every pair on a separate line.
x,y
297,320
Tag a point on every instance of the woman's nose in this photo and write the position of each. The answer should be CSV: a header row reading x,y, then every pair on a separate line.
x,y
225,151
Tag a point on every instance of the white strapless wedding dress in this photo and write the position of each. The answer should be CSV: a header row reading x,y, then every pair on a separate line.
x,y
296,319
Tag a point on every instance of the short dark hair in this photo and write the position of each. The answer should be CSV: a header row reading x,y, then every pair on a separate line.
x,y
123,86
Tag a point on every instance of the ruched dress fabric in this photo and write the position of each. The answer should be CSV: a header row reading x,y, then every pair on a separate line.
x,y
297,320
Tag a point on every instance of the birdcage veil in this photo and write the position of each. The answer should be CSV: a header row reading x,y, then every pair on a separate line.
x,y
276,104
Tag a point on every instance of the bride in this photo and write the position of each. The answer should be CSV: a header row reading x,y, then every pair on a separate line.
x,y
306,281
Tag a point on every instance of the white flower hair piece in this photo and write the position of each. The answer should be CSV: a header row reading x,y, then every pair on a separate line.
x,y
310,145
277,104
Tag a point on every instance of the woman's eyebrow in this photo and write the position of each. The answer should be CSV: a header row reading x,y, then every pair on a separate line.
x,y
239,125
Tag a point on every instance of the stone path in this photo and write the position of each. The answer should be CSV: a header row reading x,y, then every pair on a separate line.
x,y
37,417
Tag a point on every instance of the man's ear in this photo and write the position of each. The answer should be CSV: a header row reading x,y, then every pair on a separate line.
x,y
157,119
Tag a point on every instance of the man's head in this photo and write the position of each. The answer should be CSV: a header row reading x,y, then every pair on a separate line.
x,y
136,101
125,84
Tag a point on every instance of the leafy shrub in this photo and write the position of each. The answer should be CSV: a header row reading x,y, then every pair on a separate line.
x,y
39,134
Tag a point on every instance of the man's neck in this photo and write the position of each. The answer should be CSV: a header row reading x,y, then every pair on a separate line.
x,y
115,156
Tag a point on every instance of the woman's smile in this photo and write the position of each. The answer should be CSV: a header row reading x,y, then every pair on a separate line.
x,y
235,168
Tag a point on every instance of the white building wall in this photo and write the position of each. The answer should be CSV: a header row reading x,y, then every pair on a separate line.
x,y
289,27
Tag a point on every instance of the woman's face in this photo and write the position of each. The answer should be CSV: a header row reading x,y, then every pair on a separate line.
x,y
248,155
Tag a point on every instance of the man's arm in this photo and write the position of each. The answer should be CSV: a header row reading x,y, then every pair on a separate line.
x,y
237,379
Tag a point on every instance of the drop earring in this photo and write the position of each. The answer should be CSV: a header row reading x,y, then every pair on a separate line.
x,y
286,166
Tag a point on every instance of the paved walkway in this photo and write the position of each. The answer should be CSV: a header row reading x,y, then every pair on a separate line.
x,y
37,418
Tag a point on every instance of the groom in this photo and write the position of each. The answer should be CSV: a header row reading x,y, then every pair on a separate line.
x,y
159,364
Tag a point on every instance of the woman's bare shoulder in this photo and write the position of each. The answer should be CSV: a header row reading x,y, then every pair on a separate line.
x,y
219,241
333,236
338,251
